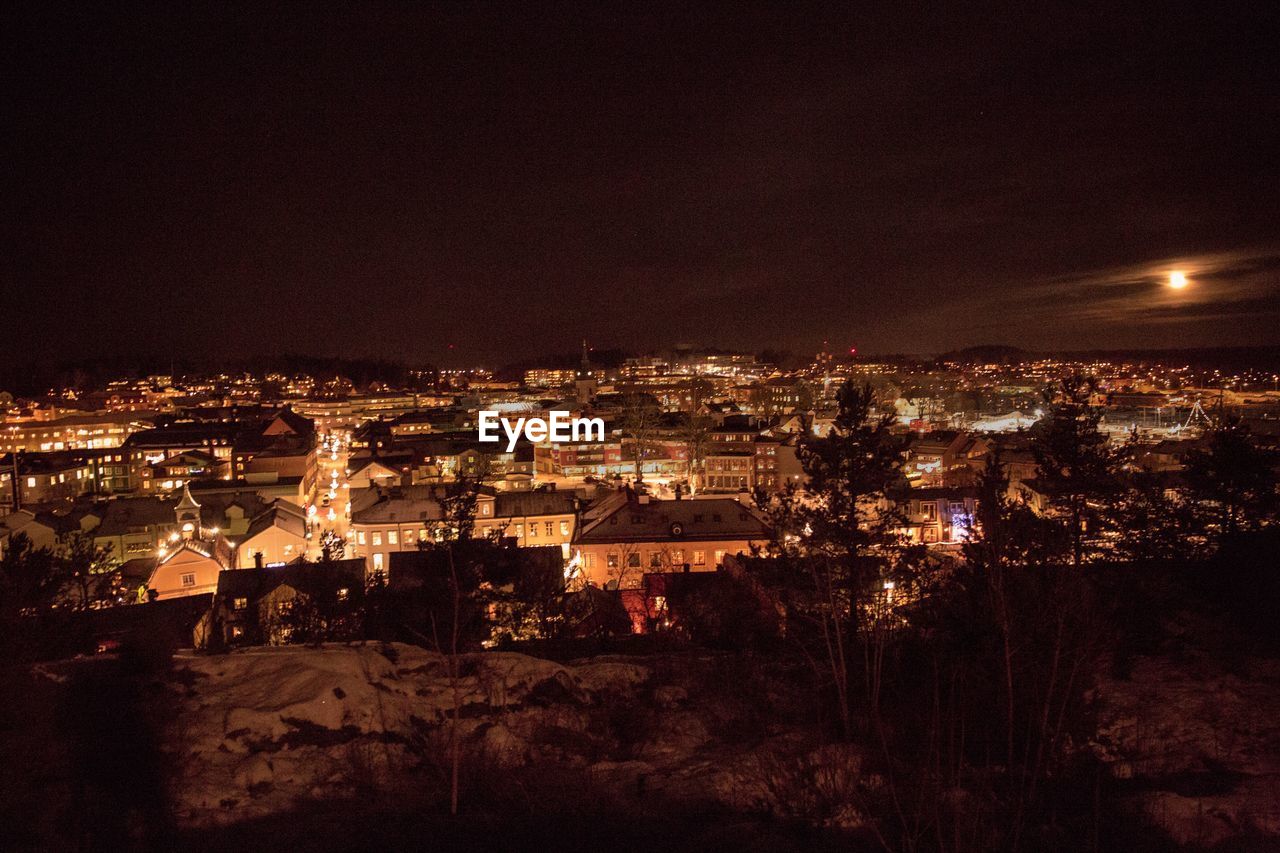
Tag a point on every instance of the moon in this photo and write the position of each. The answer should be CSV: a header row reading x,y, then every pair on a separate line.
x,y
1177,279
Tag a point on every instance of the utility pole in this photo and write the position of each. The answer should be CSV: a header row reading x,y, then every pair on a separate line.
x,y
17,495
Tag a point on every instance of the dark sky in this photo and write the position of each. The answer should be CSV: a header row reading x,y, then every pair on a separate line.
x,y
366,179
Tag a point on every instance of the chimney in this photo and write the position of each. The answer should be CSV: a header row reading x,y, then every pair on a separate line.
x,y
257,559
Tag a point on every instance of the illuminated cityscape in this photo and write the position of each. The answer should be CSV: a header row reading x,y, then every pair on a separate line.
x,y
481,427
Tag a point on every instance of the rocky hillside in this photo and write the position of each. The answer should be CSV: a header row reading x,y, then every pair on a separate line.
x,y
250,741
1198,747
262,730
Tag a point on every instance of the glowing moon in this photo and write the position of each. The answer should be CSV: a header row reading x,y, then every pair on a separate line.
x,y
1177,280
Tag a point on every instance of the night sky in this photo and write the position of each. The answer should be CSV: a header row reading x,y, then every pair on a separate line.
x,y
366,179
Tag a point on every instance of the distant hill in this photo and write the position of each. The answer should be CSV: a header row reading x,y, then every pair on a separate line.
x,y
987,354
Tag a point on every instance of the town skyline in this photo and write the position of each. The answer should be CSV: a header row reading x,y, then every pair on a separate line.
x,y
760,426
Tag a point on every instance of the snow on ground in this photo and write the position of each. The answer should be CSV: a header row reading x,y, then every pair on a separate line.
x,y
262,727
1200,747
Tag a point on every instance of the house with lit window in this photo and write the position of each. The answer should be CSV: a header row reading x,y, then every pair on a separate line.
x,y
45,478
260,606
627,534
595,458
939,515
275,536
533,519
946,457
147,447
387,521
190,560
366,473
397,518
140,526
174,472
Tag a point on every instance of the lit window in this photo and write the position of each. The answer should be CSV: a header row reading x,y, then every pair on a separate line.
x,y
31,482
377,537
240,604
360,537
392,538
564,528
699,558
377,562
612,560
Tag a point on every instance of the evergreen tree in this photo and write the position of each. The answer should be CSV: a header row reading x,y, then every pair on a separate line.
x,y
1232,480
1076,467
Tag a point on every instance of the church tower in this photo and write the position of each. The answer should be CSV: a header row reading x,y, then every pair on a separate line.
x,y
584,382
188,513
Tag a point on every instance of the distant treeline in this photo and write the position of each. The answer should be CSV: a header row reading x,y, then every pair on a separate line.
x,y
37,378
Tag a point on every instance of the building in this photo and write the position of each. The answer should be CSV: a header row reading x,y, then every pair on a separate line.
x,y
38,528
387,521
779,396
275,536
190,568
532,519
72,432
252,441
174,472
32,479
344,413
135,527
581,458
260,605
626,535
946,457
543,377
940,515
729,470
367,473
192,556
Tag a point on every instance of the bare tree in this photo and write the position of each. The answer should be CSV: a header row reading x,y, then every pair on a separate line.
x,y
697,429
640,414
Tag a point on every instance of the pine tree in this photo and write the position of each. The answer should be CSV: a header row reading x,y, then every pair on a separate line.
x,y
1232,479
1076,466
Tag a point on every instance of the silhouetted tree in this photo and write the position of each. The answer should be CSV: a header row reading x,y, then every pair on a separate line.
x,y
88,572
1075,464
1232,479
848,542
